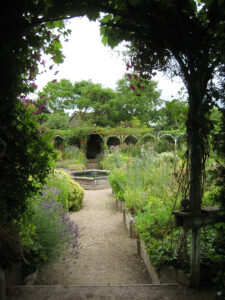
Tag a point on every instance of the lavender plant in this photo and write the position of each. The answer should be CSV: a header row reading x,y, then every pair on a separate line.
x,y
50,231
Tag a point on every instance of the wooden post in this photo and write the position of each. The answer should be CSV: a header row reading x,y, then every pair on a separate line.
x,y
189,221
2,285
195,257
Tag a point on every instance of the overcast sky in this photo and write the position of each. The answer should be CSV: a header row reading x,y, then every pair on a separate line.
x,y
87,58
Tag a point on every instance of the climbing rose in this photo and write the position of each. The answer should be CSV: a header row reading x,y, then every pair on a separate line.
x,y
34,85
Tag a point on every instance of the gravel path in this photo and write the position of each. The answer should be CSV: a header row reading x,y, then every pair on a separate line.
x,y
108,256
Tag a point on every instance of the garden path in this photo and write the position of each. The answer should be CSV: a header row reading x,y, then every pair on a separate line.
x,y
108,256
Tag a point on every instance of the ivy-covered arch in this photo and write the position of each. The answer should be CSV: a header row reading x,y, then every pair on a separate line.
x,y
131,139
147,138
59,142
113,140
95,145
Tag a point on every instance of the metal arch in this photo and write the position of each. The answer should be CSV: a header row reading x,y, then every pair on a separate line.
x,y
175,138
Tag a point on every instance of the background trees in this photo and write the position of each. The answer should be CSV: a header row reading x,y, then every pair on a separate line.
x,y
172,116
104,106
59,94
137,102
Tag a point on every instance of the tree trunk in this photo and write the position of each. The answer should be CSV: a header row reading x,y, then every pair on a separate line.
x,y
195,144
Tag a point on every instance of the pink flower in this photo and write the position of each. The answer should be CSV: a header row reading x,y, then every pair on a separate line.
x,y
34,85
135,77
42,96
55,37
132,87
54,80
128,75
140,86
43,62
128,66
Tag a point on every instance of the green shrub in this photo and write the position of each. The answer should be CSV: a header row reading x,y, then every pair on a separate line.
x,y
134,198
154,224
117,180
60,181
76,195
71,193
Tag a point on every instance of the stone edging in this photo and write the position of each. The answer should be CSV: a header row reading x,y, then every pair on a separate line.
x,y
144,255
130,223
128,219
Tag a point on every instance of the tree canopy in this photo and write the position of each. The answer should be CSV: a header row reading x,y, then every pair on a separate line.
x,y
172,116
104,106
59,94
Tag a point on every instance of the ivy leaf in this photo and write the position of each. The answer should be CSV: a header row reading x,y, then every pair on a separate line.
x,y
105,40
220,226
93,15
106,18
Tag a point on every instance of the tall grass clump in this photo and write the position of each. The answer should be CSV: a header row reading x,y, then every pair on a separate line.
x,y
71,158
115,159
73,152
117,180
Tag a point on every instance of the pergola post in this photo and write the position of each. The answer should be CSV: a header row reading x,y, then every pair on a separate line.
x,y
190,221
195,257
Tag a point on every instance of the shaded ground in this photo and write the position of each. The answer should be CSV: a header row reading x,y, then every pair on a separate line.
x,y
108,256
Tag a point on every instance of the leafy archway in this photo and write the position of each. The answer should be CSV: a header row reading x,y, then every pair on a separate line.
x,y
113,141
94,145
185,38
